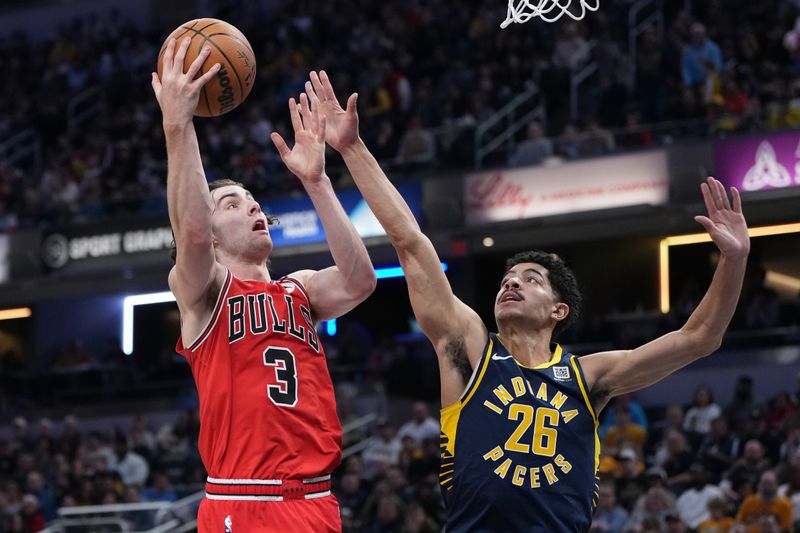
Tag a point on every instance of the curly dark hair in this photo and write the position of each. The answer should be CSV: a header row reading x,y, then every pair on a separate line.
x,y
562,279
214,185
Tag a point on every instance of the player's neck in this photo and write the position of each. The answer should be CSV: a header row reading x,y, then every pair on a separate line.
x,y
248,271
529,347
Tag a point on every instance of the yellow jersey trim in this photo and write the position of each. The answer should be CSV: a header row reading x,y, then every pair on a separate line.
x,y
557,354
449,415
584,393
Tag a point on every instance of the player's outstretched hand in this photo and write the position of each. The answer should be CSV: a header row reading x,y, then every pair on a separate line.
x,y
306,159
725,223
342,132
177,92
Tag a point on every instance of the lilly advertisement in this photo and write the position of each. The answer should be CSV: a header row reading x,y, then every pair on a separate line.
x,y
759,163
299,224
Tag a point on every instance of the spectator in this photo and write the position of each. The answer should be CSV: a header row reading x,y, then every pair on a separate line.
x,y
624,431
382,453
702,412
422,426
637,413
608,517
791,489
533,150
630,484
752,464
718,521
718,449
742,404
695,54
132,467
595,141
766,500
32,517
417,146
161,491
652,507
693,503
781,408
388,518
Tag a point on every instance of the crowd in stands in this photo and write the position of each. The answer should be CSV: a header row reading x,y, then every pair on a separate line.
x,y
44,467
427,73
698,466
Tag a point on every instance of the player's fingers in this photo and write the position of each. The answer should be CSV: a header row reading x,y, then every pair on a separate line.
x,y
327,88
167,59
297,124
715,196
305,112
352,104
317,84
155,83
723,194
197,64
310,90
737,200
280,144
202,80
705,222
180,55
707,198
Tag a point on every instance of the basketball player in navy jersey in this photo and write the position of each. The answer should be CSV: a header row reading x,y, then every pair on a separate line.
x,y
269,433
519,421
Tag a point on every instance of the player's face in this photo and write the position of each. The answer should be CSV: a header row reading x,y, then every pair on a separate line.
x,y
239,226
525,293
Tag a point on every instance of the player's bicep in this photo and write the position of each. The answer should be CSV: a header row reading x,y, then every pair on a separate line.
x,y
440,314
618,372
329,293
195,270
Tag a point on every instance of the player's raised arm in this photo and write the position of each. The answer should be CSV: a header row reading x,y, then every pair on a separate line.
x,y
453,327
336,290
190,204
618,372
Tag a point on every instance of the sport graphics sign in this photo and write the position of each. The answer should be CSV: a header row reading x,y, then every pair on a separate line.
x,y
530,192
79,243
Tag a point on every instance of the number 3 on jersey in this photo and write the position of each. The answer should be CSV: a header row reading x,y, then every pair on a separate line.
x,y
284,392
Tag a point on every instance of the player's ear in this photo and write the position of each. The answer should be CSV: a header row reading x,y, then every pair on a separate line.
x,y
560,311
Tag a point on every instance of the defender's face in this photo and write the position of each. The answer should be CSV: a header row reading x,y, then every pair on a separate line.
x,y
238,224
525,292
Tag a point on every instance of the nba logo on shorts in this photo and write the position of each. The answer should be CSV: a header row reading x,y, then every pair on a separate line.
x,y
561,373
228,524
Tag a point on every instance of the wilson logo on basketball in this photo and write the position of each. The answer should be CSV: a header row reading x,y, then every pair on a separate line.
x,y
225,99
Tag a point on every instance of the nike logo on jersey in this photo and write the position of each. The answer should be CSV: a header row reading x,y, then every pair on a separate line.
x,y
498,358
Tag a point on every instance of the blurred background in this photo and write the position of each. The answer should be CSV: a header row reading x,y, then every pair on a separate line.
x,y
588,139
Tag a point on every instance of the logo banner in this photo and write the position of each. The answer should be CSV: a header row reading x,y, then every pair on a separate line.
x,y
532,192
759,163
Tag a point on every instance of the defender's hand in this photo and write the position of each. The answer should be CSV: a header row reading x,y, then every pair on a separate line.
x,y
342,131
725,224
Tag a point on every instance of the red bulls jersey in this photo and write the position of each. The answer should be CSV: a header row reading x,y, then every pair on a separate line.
x,y
267,408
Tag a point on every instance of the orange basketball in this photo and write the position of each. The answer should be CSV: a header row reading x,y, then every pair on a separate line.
x,y
229,48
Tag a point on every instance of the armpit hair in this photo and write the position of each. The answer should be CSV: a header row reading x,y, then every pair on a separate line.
x,y
456,351
599,397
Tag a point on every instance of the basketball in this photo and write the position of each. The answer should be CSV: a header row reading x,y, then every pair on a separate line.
x,y
230,48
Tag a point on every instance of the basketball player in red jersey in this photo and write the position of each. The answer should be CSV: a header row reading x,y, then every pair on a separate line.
x,y
269,434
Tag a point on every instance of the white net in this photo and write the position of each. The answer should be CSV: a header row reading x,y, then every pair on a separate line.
x,y
548,10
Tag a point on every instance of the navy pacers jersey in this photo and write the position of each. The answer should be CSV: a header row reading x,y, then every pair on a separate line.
x,y
520,449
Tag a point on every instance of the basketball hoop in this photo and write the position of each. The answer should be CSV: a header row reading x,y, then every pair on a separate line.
x,y
548,10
